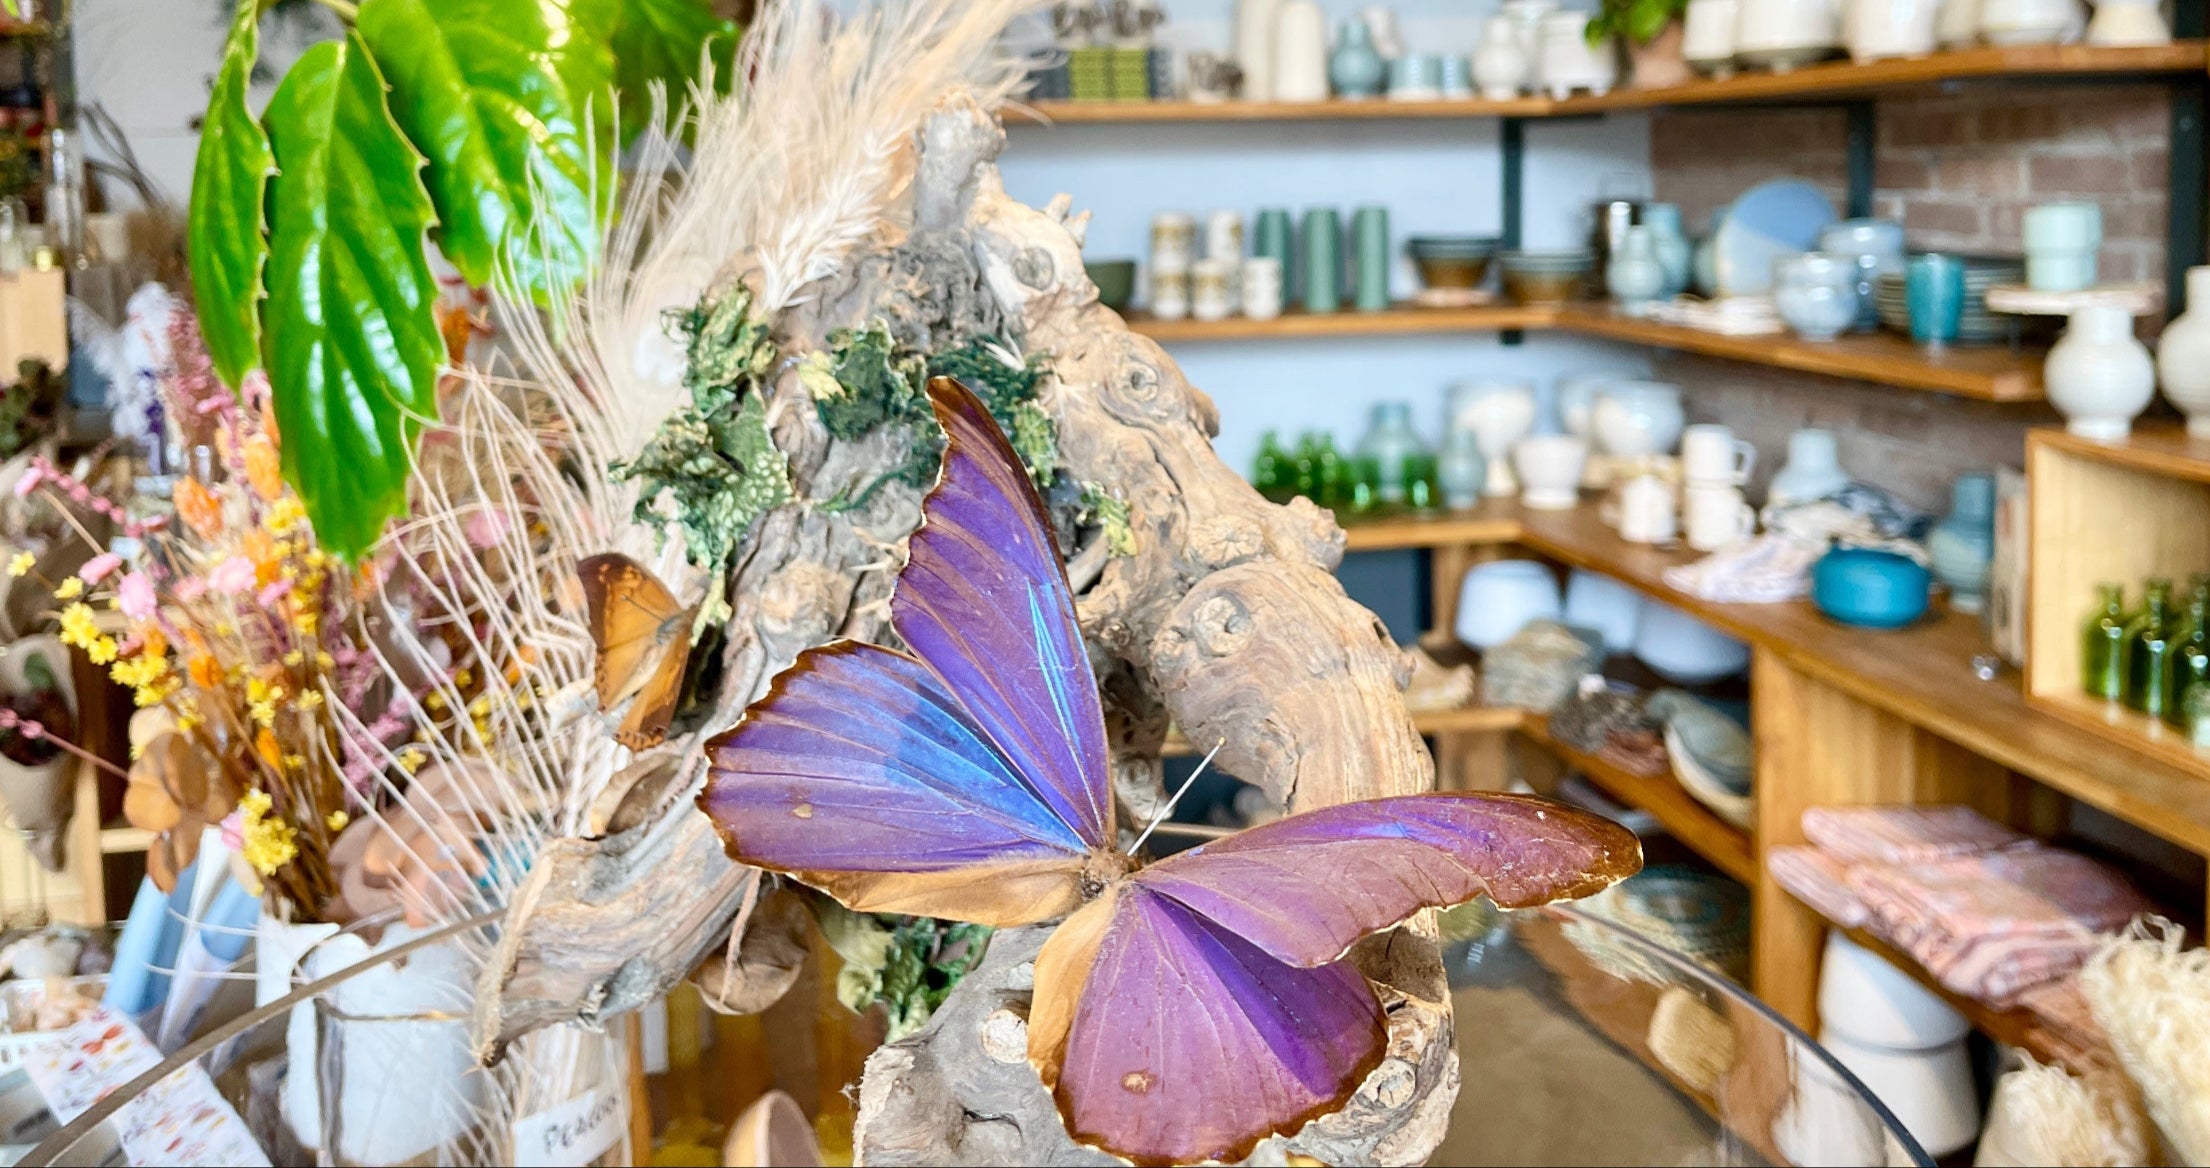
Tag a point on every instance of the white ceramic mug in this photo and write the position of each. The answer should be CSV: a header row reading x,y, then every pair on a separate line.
x,y
1169,294
1711,456
1173,242
1646,511
1718,517
1262,287
1224,237
1212,290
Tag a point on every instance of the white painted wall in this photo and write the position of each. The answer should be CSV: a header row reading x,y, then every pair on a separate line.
x,y
1435,177
150,61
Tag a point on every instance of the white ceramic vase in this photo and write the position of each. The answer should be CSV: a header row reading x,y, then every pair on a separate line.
x,y
2100,376
1254,46
2128,22
1500,65
2183,356
1813,471
1500,414
1301,52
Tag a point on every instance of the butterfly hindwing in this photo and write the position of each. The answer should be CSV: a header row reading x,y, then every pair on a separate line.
x,y
1204,1004
643,638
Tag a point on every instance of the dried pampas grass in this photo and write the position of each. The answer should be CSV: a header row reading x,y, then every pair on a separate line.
x,y
2043,1115
2153,1000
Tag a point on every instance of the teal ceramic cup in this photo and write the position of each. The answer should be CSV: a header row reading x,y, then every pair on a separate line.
x,y
1321,286
1934,288
1371,258
1274,238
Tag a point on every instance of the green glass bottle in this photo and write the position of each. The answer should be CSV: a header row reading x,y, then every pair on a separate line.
x,y
1422,482
2188,668
1364,485
2148,649
1331,475
2103,654
1275,473
1305,468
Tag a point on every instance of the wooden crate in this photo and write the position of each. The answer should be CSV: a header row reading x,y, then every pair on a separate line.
x,y
2120,512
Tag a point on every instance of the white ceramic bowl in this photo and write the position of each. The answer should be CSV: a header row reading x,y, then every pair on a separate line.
x,y
1930,1091
1865,999
1596,601
1497,600
1739,810
1550,471
1635,419
1684,650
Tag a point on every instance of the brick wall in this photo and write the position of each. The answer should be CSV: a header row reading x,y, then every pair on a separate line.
x,y
1960,172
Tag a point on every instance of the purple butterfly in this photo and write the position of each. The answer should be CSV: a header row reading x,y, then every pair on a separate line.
x,y
1185,1010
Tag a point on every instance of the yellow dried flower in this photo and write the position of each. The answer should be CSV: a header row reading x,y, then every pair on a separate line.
x,y
268,843
22,564
294,659
411,759
70,589
285,514
142,670
309,701
337,820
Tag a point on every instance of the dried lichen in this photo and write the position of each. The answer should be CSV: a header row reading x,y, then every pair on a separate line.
x,y
1109,513
909,964
868,380
713,468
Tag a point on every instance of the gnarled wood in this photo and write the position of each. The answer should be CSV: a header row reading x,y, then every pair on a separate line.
x,y
1226,620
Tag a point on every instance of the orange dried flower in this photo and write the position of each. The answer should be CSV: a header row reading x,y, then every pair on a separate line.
x,y
268,562
201,510
264,468
265,745
205,671
152,642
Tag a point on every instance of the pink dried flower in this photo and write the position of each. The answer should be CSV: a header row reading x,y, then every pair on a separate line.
x,y
134,594
487,527
30,480
191,588
233,576
274,592
99,567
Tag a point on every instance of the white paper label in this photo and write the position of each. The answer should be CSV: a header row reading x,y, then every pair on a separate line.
x,y
572,1134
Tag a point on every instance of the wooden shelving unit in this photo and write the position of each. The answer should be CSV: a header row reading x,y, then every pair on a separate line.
x,y
1727,847
1838,79
1296,324
1986,374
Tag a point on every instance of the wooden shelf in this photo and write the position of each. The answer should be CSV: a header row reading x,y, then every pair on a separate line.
x,y
1987,374
2160,450
1727,847
1080,113
1465,720
1296,324
2016,1028
1494,521
1832,80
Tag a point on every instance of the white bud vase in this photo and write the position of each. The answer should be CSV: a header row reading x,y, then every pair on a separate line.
x,y
2100,377
2183,356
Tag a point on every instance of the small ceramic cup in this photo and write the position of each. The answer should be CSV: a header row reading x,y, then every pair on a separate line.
x,y
1416,77
1173,241
1212,290
1169,294
1647,511
1934,288
2061,241
1224,236
1262,287
1717,517
1457,77
1711,456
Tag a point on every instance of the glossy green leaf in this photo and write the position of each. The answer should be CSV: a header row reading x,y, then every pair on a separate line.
x,y
499,94
227,238
665,41
353,347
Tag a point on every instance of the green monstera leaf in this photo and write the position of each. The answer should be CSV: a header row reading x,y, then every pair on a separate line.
x,y
227,241
503,97
665,41
353,346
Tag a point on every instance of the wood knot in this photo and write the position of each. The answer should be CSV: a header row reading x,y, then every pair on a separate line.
x,y
1140,395
1033,267
1222,626
1222,540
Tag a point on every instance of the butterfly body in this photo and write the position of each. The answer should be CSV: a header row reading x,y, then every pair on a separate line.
x,y
1184,1010
644,639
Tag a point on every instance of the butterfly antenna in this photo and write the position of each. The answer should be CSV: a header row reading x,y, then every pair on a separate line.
x,y
1167,810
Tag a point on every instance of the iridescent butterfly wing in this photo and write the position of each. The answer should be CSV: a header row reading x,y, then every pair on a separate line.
x,y
967,779
1181,1013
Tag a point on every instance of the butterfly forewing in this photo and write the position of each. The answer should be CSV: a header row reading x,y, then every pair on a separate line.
x,y
984,603
643,639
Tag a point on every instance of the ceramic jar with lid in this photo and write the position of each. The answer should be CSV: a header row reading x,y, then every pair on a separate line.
x,y
2183,356
2100,376
1816,294
1963,545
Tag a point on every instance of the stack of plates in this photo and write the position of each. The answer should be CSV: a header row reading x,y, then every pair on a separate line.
x,y
1980,327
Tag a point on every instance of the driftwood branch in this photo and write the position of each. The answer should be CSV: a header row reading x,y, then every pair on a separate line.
x,y
1227,622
